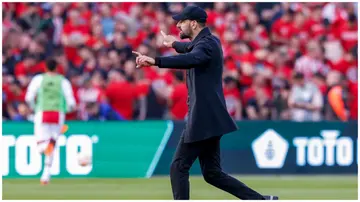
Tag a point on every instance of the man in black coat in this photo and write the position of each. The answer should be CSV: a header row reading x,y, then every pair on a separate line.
x,y
208,118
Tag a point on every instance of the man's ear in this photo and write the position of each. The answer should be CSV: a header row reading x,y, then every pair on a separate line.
x,y
194,24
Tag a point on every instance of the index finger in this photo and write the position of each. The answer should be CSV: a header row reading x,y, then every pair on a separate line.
x,y
136,53
163,33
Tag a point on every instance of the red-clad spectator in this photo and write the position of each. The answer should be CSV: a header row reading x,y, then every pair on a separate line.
x,y
75,33
282,28
142,88
255,33
348,33
85,12
14,93
347,65
149,10
23,9
177,100
97,40
258,86
121,94
147,28
232,97
299,28
159,76
246,9
229,25
252,63
315,24
279,61
24,68
216,17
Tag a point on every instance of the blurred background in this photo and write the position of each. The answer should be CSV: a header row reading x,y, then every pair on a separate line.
x,y
269,49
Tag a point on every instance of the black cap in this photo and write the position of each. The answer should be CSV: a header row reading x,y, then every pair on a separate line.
x,y
191,13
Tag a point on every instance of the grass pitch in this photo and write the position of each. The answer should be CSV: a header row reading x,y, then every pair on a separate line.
x,y
286,187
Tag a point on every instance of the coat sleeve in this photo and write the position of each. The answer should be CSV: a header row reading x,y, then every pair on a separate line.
x,y
196,58
180,47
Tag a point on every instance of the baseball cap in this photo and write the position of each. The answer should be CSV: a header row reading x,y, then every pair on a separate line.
x,y
191,13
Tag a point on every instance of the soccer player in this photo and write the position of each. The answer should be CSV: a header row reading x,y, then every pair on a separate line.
x,y
50,95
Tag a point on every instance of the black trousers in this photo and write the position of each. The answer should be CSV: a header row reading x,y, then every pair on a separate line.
x,y
208,152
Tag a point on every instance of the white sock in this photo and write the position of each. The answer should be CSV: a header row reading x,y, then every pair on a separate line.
x,y
48,163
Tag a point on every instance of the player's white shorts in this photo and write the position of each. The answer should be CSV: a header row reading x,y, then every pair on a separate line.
x,y
45,131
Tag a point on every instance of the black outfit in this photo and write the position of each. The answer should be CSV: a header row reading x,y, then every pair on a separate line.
x,y
208,118
203,59
154,108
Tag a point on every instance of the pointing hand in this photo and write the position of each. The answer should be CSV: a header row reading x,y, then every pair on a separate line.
x,y
168,39
143,60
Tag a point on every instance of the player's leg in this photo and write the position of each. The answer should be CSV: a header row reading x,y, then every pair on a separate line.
x,y
210,166
42,135
183,159
53,131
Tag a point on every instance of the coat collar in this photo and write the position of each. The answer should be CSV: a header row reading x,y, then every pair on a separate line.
x,y
204,32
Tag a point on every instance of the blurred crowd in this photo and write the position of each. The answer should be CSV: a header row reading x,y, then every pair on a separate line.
x,y
282,61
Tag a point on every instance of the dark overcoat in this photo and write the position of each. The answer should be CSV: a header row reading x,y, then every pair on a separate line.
x,y
203,60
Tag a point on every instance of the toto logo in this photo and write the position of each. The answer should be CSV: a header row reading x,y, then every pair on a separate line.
x,y
270,150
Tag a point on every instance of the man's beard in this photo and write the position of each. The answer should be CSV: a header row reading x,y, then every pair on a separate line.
x,y
183,35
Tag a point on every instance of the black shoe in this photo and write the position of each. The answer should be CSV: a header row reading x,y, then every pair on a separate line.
x,y
271,197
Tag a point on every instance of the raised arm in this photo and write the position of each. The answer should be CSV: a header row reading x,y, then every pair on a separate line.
x,y
180,47
200,55
171,42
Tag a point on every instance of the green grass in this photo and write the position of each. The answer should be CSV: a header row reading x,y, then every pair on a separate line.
x,y
286,187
